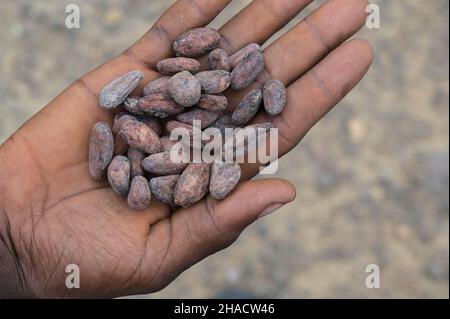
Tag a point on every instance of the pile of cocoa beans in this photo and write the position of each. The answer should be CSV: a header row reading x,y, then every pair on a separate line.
x,y
142,168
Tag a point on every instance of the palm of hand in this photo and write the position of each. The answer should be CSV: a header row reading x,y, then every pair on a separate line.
x,y
56,215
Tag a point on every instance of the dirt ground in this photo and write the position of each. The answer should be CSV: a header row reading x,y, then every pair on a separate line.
x,y
372,178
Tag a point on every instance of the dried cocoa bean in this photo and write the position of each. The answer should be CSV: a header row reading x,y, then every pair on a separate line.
x,y
135,156
159,105
237,57
214,82
162,188
139,196
120,119
223,122
173,66
140,136
193,184
101,147
205,117
246,72
151,122
164,163
218,59
119,174
196,42
274,93
113,94
224,177
247,108
131,105
160,85
212,102
185,89
167,143
171,125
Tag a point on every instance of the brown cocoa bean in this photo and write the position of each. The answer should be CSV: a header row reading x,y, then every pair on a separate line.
x,y
237,57
214,82
193,184
131,105
101,147
160,85
171,125
151,122
119,174
196,42
246,72
224,178
162,188
139,196
135,156
223,122
173,66
212,102
218,59
113,94
205,117
167,143
185,89
247,108
159,105
274,93
140,136
120,119
164,163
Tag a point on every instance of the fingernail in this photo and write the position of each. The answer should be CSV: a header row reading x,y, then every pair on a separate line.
x,y
270,209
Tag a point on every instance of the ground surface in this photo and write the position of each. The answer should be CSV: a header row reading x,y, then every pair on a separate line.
x,y
372,177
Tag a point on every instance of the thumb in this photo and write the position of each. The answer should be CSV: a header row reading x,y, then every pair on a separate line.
x,y
212,225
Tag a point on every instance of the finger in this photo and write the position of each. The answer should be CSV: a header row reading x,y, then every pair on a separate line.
x,y
156,44
308,42
317,92
258,22
212,225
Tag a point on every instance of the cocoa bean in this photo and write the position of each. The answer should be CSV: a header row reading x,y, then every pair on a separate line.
x,y
135,156
120,119
247,108
237,57
160,85
159,105
214,82
101,147
139,196
185,89
193,184
224,178
167,143
205,117
172,66
119,174
218,59
196,42
223,122
164,163
140,136
113,94
162,188
151,122
131,104
274,93
212,102
246,72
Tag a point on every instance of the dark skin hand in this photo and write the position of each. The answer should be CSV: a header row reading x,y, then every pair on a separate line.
x,y
53,214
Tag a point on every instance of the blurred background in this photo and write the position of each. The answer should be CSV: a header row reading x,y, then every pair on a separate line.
x,y
372,177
